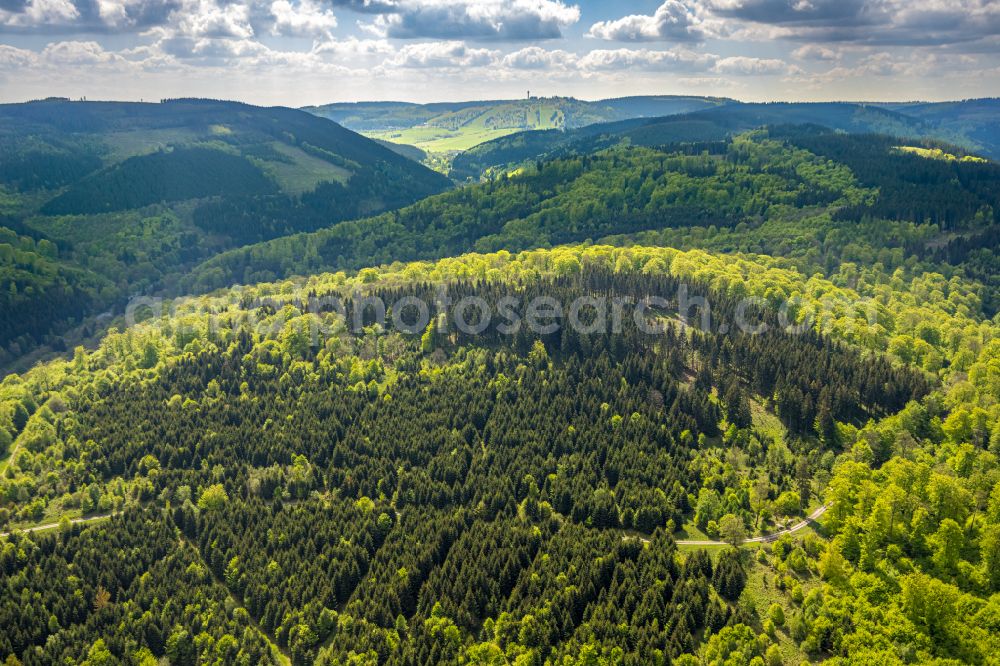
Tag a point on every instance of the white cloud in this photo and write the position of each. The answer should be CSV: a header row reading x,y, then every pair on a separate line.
x,y
441,54
303,19
673,21
881,71
37,13
115,13
745,66
207,18
815,52
625,59
537,58
15,58
354,48
75,53
476,19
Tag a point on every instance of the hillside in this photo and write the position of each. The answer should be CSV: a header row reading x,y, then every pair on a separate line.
x,y
563,373
104,200
442,496
812,196
714,124
450,128
976,120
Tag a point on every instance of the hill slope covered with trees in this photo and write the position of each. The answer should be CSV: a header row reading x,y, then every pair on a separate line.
x,y
969,125
449,128
302,485
813,196
100,201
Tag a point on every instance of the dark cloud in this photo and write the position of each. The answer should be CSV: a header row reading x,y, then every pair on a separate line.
x,y
872,22
825,13
13,6
137,16
367,6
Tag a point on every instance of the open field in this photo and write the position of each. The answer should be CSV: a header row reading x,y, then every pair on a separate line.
x,y
441,140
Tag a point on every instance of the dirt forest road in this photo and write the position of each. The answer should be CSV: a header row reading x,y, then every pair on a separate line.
x,y
767,538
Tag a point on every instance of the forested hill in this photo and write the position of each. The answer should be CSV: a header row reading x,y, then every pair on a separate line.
x,y
444,129
56,144
811,195
101,200
505,114
970,125
293,485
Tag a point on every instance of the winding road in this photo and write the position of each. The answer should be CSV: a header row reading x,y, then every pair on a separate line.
x,y
767,538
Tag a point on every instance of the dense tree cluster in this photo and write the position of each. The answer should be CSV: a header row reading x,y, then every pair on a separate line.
x,y
34,165
120,592
913,188
164,176
252,219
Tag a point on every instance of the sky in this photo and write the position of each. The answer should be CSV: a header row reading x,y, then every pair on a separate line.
x,y
301,52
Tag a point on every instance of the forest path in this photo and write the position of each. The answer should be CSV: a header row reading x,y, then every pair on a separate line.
x,y
50,526
767,538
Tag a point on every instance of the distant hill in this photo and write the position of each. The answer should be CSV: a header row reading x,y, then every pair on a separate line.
x,y
934,122
975,120
409,152
99,200
65,141
455,127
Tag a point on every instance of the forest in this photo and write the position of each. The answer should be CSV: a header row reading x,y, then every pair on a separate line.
x,y
806,194
782,449
812,196
451,498
102,201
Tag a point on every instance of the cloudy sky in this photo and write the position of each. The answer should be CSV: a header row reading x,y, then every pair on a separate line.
x,y
297,52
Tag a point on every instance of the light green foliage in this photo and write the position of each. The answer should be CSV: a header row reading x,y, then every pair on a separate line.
x,y
213,498
99,654
733,646
938,154
732,530
947,543
788,503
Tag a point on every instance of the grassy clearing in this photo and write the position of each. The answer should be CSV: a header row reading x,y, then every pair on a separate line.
x,y
442,140
123,145
766,422
761,594
303,172
713,551
443,136
690,532
938,154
